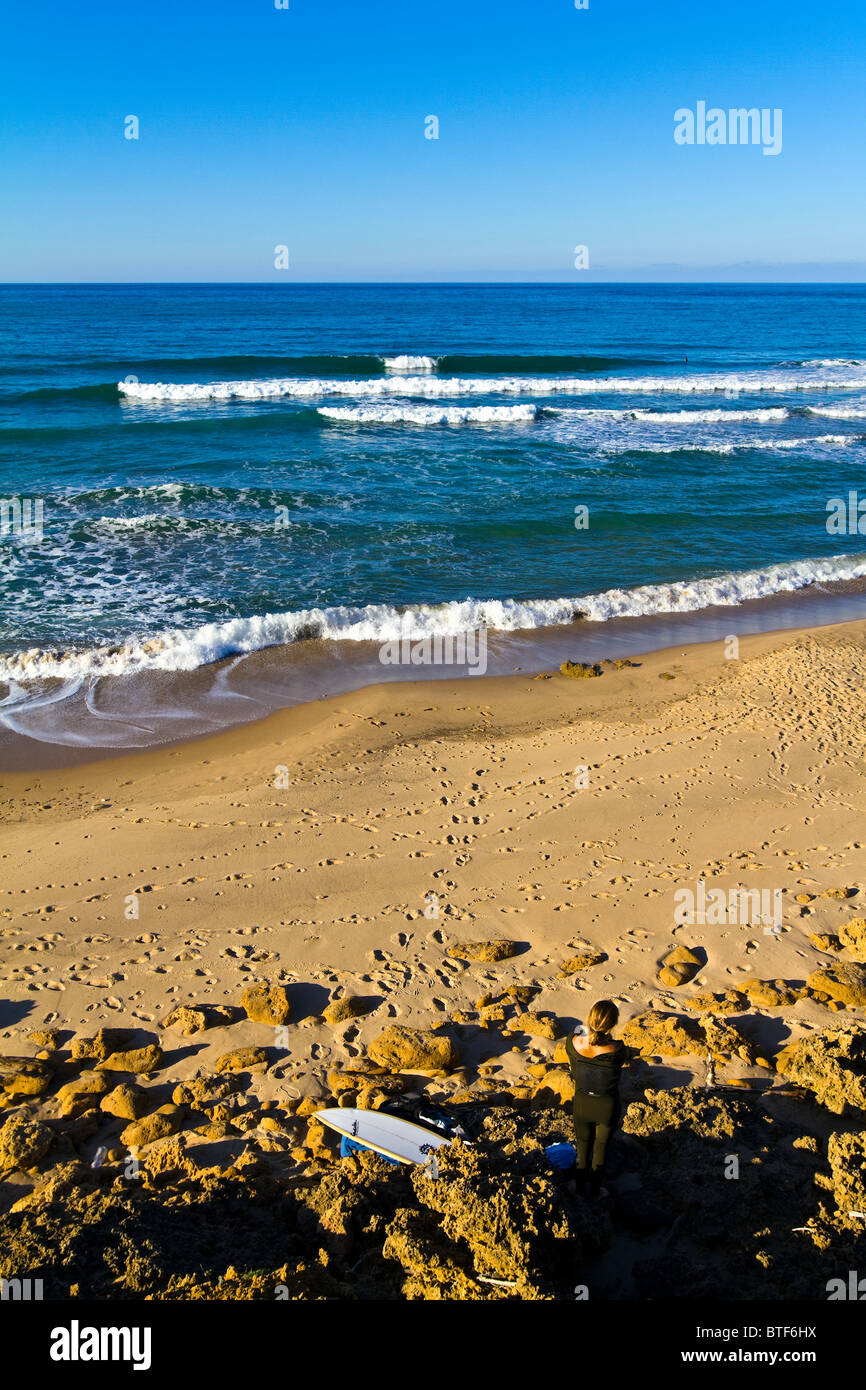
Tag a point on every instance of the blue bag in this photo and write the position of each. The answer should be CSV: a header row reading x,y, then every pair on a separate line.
x,y
351,1146
561,1155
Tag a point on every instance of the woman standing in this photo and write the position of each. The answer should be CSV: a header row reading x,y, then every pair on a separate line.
x,y
596,1060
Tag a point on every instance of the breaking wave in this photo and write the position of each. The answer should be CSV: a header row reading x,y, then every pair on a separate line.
x,y
433,386
177,650
429,414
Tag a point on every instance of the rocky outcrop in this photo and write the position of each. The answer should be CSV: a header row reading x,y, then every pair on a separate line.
x,y
845,984
846,1154
656,1034
729,1001
771,994
831,1064
825,941
726,1042
852,936
536,1025
412,1049
23,1077
716,1197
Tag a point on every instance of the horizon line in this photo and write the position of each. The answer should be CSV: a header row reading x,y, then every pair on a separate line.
x,y
295,284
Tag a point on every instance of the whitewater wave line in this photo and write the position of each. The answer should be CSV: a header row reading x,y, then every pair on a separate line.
x,y
743,446
508,414
429,414
178,650
839,412
434,387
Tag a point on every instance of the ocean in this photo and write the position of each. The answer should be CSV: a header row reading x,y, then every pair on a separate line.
x,y
237,493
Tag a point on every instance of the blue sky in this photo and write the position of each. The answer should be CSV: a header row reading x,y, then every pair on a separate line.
x,y
305,127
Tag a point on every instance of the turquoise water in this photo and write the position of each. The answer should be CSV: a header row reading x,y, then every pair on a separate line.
x,y
270,471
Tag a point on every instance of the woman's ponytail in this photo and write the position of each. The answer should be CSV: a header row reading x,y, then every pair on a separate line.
x,y
603,1016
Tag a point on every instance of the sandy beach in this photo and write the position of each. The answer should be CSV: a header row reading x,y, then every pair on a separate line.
x,y
350,850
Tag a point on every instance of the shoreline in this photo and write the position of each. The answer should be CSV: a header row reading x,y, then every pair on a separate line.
x,y
243,690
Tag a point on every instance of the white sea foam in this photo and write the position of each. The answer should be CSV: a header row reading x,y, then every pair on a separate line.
x,y
761,415
743,445
407,363
833,439
434,387
834,362
176,650
429,414
839,412
128,523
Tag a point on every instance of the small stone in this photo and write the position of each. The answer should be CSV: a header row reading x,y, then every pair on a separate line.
x,y
580,670
678,967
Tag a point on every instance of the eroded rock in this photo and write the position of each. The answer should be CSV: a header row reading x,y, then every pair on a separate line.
x,y
267,1004
23,1142
831,1064
853,937
657,1034
678,967
490,951
846,984
411,1049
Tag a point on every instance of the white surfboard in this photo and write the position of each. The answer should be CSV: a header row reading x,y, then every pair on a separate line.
x,y
387,1134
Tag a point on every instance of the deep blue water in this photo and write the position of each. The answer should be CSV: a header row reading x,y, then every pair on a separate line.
x,y
178,512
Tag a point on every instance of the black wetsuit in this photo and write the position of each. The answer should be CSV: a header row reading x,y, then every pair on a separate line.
x,y
596,1101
